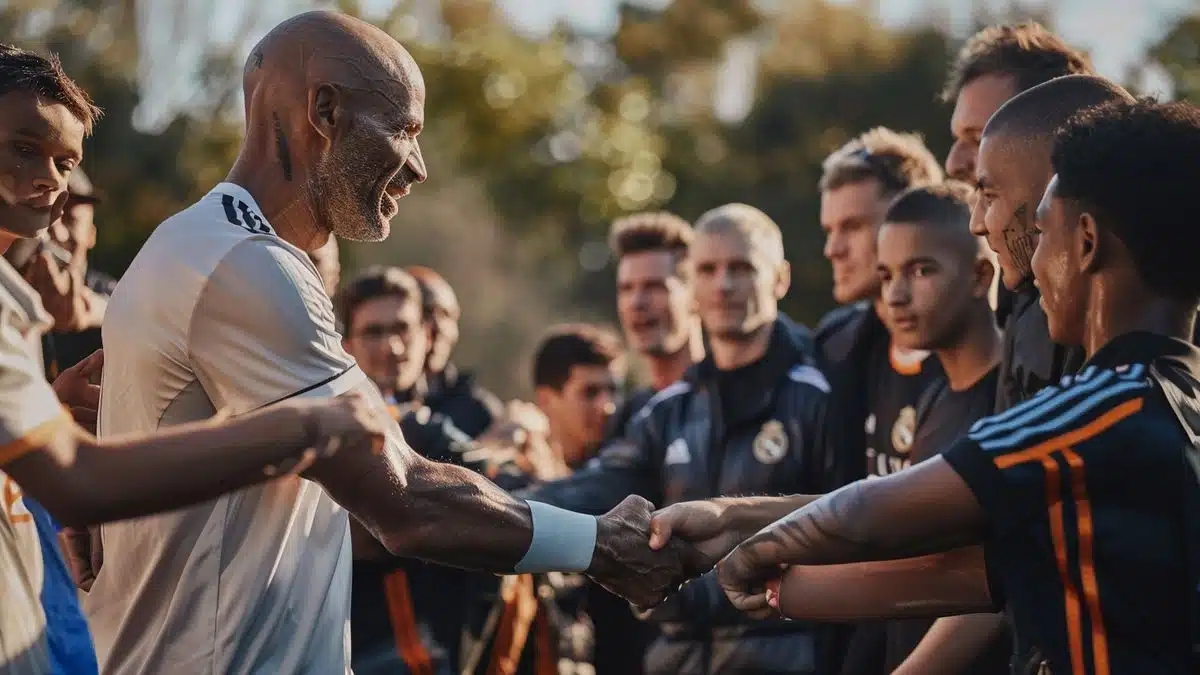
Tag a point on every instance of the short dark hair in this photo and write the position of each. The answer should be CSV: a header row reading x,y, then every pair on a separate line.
x,y
650,231
23,70
374,282
570,345
1133,167
897,160
1027,52
947,203
1039,111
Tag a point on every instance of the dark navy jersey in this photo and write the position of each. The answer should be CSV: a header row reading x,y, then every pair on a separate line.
x,y
1030,361
876,384
1089,491
943,416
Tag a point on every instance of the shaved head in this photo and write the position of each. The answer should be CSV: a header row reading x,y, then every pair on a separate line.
x,y
333,109
441,313
1035,114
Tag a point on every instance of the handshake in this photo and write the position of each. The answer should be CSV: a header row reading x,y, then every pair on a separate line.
x,y
645,556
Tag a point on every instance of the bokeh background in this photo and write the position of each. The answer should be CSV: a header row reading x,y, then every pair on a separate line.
x,y
546,119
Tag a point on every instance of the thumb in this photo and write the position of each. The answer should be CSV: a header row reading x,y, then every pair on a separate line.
x,y
660,532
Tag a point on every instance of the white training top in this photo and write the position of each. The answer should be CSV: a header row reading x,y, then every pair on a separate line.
x,y
29,414
218,313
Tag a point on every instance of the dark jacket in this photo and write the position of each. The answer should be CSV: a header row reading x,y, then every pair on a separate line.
x,y
759,429
1030,361
454,394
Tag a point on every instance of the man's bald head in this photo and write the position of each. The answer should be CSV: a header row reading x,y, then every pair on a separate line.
x,y
441,314
1035,114
333,108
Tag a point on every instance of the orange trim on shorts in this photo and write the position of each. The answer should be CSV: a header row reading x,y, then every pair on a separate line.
x,y
1087,562
519,596
34,439
404,624
1074,437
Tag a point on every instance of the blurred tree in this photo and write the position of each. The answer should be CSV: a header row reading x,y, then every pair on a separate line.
x,y
1179,54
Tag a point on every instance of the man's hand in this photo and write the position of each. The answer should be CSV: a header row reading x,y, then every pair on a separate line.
x,y
62,290
345,423
750,575
702,524
78,388
625,564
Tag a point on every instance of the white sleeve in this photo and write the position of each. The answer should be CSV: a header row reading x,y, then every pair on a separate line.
x,y
29,410
263,331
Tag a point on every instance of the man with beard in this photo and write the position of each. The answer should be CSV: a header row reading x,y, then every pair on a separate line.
x,y
749,419
1087,494
223,310
450,391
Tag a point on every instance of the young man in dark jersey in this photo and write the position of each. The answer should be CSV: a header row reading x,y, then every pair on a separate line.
x,y
936,280
1087,494
876,383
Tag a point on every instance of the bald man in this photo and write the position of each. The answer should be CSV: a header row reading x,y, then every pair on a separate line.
x,y
450,391
223,310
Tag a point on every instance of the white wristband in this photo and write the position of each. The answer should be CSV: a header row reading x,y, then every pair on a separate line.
x,y
563,541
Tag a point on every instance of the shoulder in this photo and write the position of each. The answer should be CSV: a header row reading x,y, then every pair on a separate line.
x,y
837,331
663,401
806,376
1078,409
20,305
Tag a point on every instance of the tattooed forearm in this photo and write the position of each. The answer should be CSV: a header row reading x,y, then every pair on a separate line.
x,y
282,149
1021,239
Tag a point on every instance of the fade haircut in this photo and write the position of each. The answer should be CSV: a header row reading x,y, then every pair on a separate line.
x,y
1133,166
23,70
1037,113
1026,52
897,160
650,231
945,207
377,281
757,227
569,345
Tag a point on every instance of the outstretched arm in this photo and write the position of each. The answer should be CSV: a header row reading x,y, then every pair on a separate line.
x,y
925,509
953,644
941,584
82,481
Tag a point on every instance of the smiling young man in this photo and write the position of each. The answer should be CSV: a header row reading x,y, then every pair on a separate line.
x,y
1087,494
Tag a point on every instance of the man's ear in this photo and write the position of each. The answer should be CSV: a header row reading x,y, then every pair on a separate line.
x,y
544,397
984,274
783,279
326,108
1090,246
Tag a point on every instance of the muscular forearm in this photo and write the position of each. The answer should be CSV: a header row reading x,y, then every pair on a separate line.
x,y
929,586
422,509
953,644
82,481
748,515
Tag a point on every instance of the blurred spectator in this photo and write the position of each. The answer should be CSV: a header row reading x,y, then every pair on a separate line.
x,y
451,392
384,331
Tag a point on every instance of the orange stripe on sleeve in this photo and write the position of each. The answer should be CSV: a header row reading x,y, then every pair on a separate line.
x,y
35,438
1070,593
1087,562
1072,437
404,624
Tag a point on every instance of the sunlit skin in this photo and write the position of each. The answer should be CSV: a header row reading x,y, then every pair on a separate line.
x,y
973,106
1010,177
387,337
578,412
656,309
738,287
850,217
41,141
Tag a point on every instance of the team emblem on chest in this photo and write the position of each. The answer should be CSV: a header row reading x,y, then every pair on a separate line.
x,y
904,430
771,443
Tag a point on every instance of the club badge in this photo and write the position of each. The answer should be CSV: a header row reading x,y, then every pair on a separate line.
x,y
904,430
771,443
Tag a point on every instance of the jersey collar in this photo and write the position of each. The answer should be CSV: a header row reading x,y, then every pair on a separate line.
x,y
1145,347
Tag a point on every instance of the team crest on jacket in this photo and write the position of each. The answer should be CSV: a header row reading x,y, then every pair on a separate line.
x,y
904,430
771,443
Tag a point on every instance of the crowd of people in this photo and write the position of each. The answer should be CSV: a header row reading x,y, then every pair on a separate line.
x,y
234,460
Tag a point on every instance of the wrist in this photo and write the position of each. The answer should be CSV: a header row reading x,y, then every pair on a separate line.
x,y
563,541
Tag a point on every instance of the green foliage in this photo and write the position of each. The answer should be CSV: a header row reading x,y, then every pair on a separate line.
x,y
1179,54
